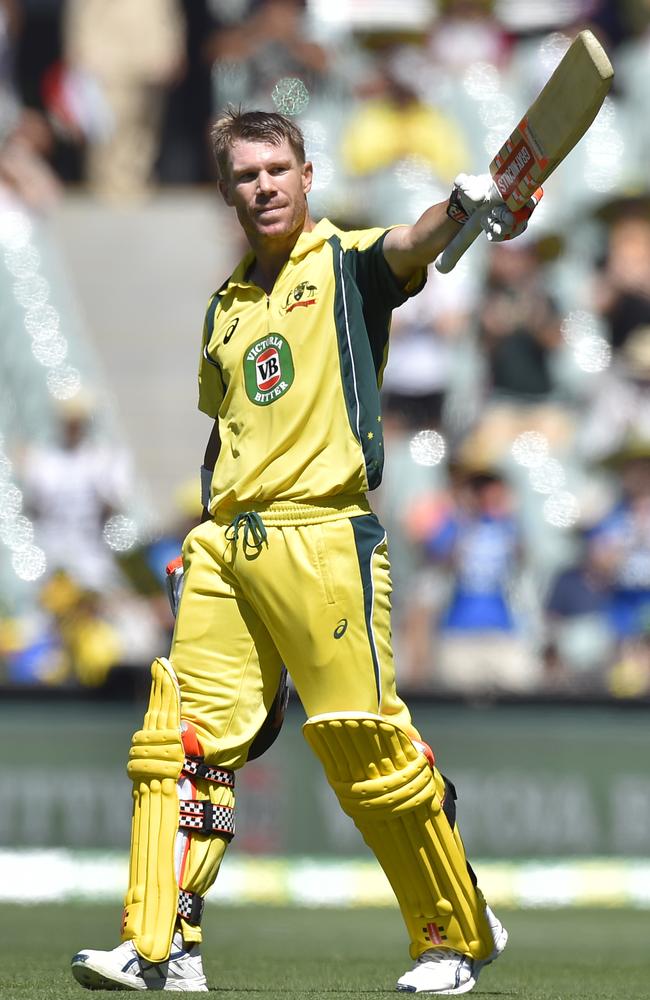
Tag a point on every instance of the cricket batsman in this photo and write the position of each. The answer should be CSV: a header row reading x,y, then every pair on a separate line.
x,y
289,569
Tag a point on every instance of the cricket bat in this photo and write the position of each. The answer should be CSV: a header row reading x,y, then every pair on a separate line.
x,y
551,127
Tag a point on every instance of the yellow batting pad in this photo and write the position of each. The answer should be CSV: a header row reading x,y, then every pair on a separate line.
x,y
155,761
395,798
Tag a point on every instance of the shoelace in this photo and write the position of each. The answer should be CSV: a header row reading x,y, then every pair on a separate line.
x,y
254,532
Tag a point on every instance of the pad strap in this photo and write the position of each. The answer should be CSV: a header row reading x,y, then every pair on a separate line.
x,y
204,817
190,906
198,769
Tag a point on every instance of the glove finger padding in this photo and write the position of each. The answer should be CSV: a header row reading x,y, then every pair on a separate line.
x,y
501,224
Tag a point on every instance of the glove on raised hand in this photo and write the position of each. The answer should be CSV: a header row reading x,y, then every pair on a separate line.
x,y
478,193
501,224
470,193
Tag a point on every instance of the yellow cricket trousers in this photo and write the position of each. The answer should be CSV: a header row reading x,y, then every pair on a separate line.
x,y
307,586
314,595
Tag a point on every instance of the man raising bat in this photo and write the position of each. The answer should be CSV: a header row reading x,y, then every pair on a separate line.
x,y
289,569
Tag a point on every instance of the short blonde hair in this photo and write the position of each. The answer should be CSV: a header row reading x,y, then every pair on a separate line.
x,y
254,126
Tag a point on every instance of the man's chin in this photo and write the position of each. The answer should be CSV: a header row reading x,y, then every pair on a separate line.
x,y
275,227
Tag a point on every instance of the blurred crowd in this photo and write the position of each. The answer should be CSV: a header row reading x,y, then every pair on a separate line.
x,y
517,393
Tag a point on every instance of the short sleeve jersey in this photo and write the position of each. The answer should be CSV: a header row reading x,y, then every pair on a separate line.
x,y
294,376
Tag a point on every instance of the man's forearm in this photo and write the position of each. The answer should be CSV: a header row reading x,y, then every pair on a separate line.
x,y
406,248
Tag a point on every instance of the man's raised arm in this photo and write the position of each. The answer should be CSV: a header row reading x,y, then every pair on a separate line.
x,y
407,248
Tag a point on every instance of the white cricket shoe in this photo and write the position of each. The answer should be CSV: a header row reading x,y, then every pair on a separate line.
x,y
123,969
441,970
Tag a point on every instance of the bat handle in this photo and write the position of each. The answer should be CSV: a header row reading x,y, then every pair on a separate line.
x,y
461,242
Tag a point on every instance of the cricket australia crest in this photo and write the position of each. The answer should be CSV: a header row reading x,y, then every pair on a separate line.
x,y
268,369
303,294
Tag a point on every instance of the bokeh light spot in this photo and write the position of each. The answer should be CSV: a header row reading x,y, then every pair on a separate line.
x,y
530,449
427,447
120,533
562,509
290,95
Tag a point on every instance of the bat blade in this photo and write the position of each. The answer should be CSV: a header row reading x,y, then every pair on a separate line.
x,y
552,126
555,121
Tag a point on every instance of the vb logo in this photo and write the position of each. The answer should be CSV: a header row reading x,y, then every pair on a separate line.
x,y
341,628
268,369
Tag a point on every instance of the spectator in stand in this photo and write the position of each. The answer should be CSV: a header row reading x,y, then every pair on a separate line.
x,y
25,136
135,52
67,639
620,407
72,486
24,170
518,337
254,52
620,550
424,336
481,645
467,32
578,639
622,286
89,614
393,126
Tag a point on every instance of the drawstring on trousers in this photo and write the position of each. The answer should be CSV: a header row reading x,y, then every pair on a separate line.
x,y
254,532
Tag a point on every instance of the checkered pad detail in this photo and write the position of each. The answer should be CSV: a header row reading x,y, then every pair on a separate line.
x,y
204,817
190,906
196,767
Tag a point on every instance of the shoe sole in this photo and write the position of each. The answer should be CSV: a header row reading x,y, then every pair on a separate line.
x,y
92,978
465,988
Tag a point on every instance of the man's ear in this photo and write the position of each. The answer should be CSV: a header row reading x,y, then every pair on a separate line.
x,y
307,176
224,191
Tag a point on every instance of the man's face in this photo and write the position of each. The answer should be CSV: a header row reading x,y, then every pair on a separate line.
x,y
267,187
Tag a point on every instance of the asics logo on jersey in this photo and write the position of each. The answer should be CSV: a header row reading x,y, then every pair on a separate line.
x,y
231,329
303,294
341,628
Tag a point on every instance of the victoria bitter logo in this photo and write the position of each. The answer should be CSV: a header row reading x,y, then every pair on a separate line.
x,y
268,369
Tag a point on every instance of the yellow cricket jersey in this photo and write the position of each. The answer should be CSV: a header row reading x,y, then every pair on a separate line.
x,y
294,376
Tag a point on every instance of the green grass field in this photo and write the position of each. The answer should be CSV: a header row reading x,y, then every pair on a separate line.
x,y
296,953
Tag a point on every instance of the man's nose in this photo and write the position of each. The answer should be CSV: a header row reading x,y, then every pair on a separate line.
x,y
265,182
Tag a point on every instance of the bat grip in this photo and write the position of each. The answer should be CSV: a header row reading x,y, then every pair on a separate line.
x,y
461,242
